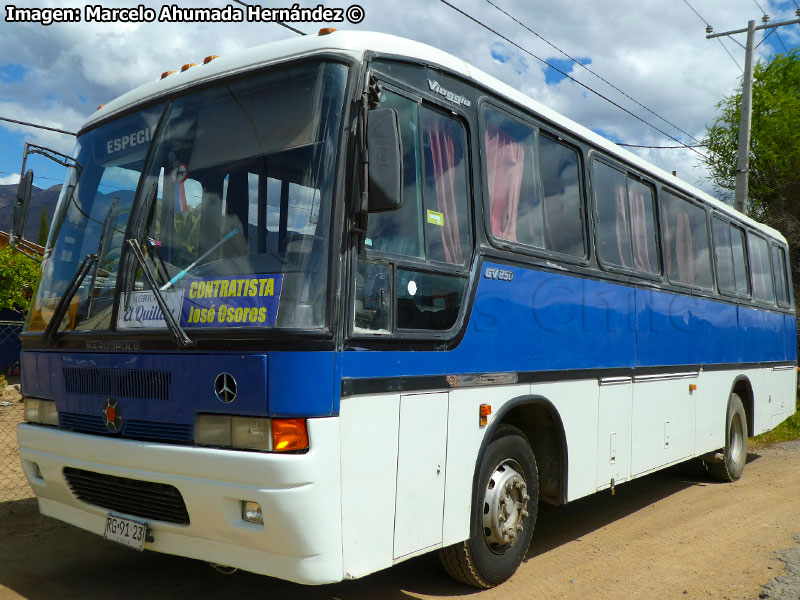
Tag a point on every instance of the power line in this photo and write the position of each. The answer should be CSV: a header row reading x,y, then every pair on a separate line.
x,y
38,126
37,177
775,31
764,39
281,23
708,26
583,85
699,16
763,12
663,147
736,62
780,39
577,62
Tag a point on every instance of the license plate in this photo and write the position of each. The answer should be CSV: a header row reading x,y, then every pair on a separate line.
x,y
126,532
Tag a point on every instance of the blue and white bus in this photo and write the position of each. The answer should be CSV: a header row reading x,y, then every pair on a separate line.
x,y
317,307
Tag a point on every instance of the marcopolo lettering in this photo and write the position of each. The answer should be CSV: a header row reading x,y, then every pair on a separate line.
x,y
454,98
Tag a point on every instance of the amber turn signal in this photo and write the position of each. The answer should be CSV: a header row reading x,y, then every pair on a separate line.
x,y
485,411
289,434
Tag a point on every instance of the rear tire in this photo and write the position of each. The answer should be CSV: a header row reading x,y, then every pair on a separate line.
x,y
734,455
503,513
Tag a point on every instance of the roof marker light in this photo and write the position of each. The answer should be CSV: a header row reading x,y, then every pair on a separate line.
x,y
166,74
208,59
186,67
327,30
101,106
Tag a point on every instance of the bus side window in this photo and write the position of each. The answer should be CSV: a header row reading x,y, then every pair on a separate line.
x,y
613,228
515,200
723,255
534,187
729,257
779,271
401,231
761,270
446,191
739,260
625,220
373,309
562,201
433,225
686,247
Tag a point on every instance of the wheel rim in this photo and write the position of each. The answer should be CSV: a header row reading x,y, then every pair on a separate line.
x,y
735,439
505,506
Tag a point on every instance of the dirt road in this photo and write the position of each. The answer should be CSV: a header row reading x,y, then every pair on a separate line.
x,y
660,537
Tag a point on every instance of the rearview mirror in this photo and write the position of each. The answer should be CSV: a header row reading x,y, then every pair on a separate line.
x,y
385,156
21,203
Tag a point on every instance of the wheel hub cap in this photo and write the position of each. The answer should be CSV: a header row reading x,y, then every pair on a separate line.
x,y
505,506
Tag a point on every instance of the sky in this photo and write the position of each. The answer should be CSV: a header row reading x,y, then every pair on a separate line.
x,y
654,52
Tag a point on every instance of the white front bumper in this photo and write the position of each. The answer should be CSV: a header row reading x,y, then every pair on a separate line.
x,y
299,494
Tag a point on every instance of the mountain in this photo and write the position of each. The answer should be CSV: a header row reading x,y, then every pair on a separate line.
x,y
39,199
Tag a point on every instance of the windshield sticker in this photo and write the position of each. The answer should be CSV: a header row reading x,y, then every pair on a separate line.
x,y
232,302
435,218
143,311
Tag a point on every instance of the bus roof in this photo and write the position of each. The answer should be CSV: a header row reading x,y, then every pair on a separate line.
x,y
354,44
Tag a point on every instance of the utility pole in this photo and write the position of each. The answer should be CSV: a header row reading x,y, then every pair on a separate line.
x,y
746,108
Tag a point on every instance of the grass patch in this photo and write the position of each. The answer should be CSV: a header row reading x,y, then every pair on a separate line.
x,y
786,431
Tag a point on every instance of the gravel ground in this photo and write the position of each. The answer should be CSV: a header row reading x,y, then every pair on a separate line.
x,y
787,586
662,537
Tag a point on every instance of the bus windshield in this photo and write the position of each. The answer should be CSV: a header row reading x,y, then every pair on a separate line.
x,y
233,212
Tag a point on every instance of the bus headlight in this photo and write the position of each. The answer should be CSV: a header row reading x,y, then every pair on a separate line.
x,y
212,430
41,411
251,433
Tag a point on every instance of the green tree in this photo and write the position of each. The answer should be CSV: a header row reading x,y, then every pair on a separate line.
x,y
18,278
44,228
774,150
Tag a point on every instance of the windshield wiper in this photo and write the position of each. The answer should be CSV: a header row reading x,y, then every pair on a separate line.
x,y
74,285
183,272
172,324
101,245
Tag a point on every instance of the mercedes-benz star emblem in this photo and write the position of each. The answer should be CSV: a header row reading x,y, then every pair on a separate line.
x,y
225,387
112,415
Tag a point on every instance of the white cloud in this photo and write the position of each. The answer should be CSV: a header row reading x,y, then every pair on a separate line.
x,y
11,179
656,52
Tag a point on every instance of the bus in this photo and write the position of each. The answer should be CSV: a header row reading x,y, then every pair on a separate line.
x,y
315,308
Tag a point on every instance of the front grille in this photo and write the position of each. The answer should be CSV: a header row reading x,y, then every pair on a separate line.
x,y
146,499
118,383
160,432
82,423
170,433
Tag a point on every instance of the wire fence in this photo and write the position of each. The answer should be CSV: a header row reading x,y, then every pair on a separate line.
x,y
13,485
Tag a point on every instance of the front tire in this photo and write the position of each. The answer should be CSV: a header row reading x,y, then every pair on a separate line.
x,y
503,513
734,455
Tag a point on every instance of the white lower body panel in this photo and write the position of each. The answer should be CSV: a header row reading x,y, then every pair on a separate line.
x,y
299,496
